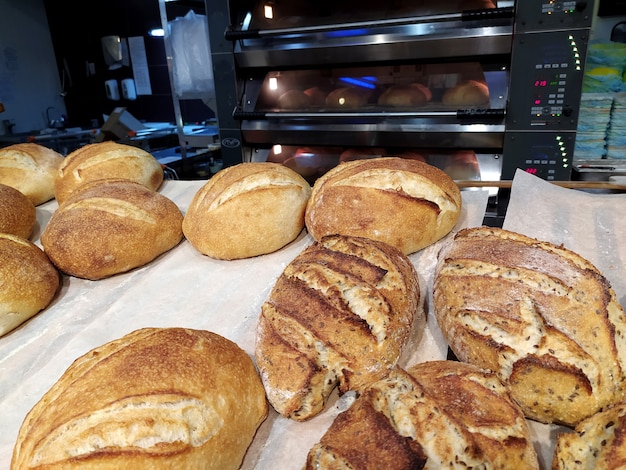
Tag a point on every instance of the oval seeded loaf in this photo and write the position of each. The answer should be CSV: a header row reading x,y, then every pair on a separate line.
x,y
28,281
247,210
436,414
156,398
30,168
111,226
406,203
340,314
544,318
18,214
105,160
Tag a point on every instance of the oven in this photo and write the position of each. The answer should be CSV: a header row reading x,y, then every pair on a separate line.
x,y
478,88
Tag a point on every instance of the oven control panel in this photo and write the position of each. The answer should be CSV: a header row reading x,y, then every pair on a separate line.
x,y
549,15
547,70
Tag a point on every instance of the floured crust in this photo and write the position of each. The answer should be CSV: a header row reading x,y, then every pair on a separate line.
x,y
540,315
437,414
31,169
156,398
107,160
596,443
17,212
355,198
111,226
247,210
339,314
28,281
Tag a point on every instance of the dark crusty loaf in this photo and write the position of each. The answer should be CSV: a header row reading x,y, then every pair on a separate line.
x,y
596,443
105,160
28,281
111,226
247,210
437,414
340,313
17,212
30,168
545,319
156,398
406,203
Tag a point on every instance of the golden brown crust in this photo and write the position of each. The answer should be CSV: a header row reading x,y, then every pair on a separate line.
x,y
28,283
30,168
111,226
355,198
540,315
340,314
436,414
402,96
17,212
247,210
597,442
347,98
467,93
156,398
104,160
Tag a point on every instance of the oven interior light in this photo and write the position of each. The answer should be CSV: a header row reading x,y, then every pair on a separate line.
x,y
277,149
273,83
268,11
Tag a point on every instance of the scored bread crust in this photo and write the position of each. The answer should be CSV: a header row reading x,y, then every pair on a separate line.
x,y
106,160
436,414
30,168
247,210
111,226
597,442
541,316
339,314
467,93
406,203
156,398
18,214
28,281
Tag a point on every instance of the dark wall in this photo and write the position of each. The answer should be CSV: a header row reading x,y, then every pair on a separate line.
x,y
76,28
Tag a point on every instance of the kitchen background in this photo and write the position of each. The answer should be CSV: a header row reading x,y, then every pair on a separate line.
x,y
52,65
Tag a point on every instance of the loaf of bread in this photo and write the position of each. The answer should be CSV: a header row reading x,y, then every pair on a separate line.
x,y
28,281
108,227
340,314
467,93
104,160
30,168
541,316
406,203
437,414
17,212
597,442
348,97
294,99
247,210
156,398
402,96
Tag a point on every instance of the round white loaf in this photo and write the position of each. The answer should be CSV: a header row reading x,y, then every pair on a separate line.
x,y
406,203
28,281
111,226
18,214
247,210
105,160
30,168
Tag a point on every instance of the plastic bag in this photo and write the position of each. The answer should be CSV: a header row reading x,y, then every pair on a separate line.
x,y
191,56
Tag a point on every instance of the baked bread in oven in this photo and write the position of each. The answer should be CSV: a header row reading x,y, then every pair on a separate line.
x,y
156,398
406,203
436,414
541,316
340,314
30,168
467,93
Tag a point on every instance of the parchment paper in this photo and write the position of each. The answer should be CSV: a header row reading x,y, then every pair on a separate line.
x,y
184,288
